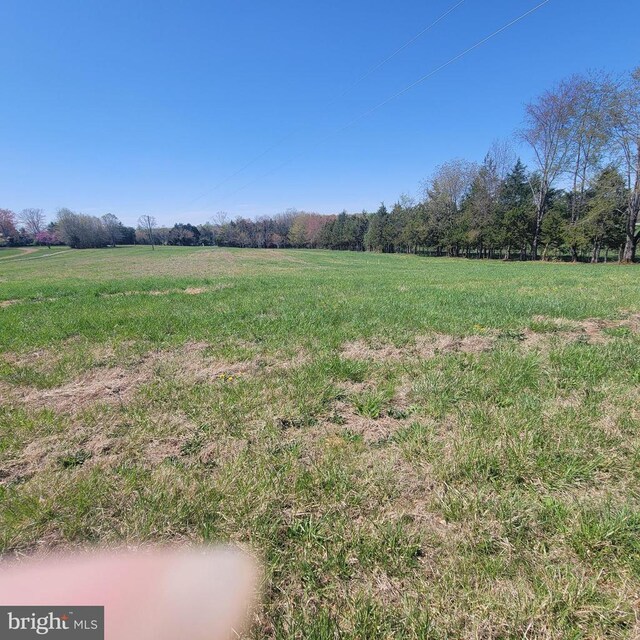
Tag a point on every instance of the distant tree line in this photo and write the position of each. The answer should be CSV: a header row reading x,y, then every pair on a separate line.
x,y
76,230
580,199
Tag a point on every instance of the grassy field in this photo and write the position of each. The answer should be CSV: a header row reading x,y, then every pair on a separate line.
x,y
414,448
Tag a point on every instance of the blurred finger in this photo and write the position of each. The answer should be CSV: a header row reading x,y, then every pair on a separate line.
x,y
199,594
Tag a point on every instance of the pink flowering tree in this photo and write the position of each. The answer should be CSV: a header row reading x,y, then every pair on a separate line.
x,y
46,237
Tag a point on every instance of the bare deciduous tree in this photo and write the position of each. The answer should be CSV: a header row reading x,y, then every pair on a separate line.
x,y
451,182
81,231
444,193
148,223
589,131
112,226
220,218
547,130
502,156
625,116
33,220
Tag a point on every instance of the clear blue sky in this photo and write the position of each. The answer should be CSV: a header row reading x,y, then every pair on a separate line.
x,y
144,106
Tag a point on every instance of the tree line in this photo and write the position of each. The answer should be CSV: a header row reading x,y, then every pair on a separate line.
x,y
76,230
579,200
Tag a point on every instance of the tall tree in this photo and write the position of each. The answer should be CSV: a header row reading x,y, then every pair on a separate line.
x,y
515,212
502,157
113,228
588,134
47,237
481,206
604,223
127,235
8,229
207,233
445,192
184,235
547,129
148,223
554,226
378,236
81,231
33,220
625,119
298,233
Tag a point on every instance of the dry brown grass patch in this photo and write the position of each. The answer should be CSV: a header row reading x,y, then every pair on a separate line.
x,y
345,417
360,350
115,383
115,379
108,385
191,363
218,450
190,291
424,347
535,341
615,407
162,437
590,330
416,488
372,430
430,346
571,401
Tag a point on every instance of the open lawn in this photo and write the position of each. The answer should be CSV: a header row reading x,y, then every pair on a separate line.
x,y
414,448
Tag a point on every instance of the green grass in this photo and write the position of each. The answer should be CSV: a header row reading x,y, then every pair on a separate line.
x,y
8,252
205,395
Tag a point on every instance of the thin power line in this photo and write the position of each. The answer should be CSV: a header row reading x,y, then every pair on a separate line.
x,y
380,64
354,84
446,64
397,94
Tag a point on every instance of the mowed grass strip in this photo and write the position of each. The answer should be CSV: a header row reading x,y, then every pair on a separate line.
x,y
413,448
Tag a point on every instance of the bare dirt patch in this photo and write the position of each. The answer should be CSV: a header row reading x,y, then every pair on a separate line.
x,y
536,341
135,292
425,347
632,321
8,303
417,489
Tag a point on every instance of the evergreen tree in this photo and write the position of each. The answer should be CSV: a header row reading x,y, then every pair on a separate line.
x,y
379,233
516,217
